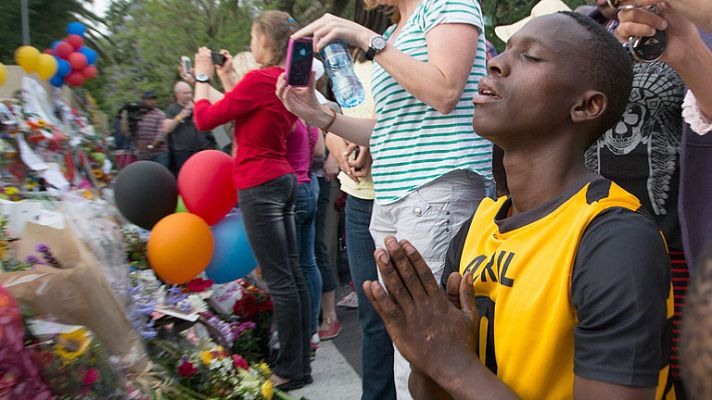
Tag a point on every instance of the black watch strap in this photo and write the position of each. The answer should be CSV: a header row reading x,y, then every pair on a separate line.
x,y
370,54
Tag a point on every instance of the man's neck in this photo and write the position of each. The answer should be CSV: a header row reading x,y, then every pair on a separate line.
x,y
535,176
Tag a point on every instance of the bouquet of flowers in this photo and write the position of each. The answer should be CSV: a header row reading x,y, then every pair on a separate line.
x,y
254,311
73,363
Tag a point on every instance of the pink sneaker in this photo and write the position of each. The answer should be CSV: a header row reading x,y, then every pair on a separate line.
x,y
349,301
330,330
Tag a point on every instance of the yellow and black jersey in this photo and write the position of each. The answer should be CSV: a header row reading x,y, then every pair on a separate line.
x,y
579,286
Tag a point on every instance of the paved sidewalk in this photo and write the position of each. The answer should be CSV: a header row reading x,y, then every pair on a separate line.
x,y
334,378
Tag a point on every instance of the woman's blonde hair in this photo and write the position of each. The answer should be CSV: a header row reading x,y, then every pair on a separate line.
x,y
277,26
242,63
390,11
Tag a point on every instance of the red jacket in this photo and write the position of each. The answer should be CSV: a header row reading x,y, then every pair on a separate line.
x,y
262,125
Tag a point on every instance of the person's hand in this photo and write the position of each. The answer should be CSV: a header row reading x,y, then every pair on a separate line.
x,y
330,28
203,62
362,164
300,101
342,158
227,67
430,332
187,111
643,22
187,77
331,168
697,11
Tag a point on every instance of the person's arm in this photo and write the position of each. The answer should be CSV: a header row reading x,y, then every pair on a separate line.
x,y
697,11
172,121
440,81
619,288
302,102
685,51
226,72
319,146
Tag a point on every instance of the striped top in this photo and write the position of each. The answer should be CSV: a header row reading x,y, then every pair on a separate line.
x,y
412,143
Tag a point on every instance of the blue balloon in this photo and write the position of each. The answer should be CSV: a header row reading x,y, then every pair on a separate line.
x,y
55,43
90,54
63,67
233,257
57,80
76,28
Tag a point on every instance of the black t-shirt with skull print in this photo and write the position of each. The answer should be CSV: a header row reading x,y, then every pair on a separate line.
x,y
641,153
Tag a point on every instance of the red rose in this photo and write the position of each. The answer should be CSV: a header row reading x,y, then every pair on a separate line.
x,y
246,308
91,376
186,369
239,362
265,306
199,285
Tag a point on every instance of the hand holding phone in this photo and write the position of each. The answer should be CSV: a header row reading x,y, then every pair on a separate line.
x,y
218,58
187,65
300,55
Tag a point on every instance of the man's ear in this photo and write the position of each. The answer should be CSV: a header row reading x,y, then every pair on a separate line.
x,y
590,106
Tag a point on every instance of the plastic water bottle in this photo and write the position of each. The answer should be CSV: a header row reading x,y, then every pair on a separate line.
x,y
340,69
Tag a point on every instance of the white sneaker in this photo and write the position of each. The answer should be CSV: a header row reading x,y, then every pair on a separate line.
x,y
349,301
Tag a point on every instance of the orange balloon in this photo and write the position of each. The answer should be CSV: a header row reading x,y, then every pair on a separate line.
x,y
180,247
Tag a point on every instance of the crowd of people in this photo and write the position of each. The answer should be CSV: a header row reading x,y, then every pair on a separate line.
x,y
521,225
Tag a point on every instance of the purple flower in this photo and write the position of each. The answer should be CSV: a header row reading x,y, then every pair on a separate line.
x,y
42,248
32,260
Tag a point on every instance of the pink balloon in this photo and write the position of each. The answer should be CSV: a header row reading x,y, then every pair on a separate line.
x,y
89,72
206,186
63,49
75,40
77,60
75,79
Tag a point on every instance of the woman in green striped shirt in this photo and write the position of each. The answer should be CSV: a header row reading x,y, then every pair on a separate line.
x,y
430,169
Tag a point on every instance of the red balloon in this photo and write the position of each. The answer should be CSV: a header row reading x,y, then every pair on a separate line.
x,y
63,49
48,51
77,60
89,72
205,184
75,78
75,40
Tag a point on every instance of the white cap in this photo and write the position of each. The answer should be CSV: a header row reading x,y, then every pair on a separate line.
x,y
544,7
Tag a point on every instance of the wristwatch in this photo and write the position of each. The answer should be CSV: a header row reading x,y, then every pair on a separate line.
x,y
202,78
375,46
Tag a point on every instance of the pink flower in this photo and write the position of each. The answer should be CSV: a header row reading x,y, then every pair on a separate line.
x,y
239,362
186,369
91,376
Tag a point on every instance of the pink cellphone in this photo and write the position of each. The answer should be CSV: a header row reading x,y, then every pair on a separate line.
x,y
300,55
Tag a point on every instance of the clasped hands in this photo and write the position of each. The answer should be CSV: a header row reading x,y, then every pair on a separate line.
x,y
434,330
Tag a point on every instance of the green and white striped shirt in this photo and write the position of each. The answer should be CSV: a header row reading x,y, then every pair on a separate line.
x,y
412,143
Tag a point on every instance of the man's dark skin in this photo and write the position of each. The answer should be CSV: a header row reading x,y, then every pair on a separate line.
x,y
544,115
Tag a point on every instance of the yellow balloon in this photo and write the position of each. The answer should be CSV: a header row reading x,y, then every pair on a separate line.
x,y
46,66
3,73
27,58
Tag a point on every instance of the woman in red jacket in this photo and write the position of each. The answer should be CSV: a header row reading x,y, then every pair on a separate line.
x,y
266,184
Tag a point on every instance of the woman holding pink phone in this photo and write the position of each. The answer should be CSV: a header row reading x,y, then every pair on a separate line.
x,y
266,184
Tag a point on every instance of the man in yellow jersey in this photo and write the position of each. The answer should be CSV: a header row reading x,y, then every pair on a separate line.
x,y
572,294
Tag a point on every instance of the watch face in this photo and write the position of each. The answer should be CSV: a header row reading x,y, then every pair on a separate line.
x,y
202,78
378,42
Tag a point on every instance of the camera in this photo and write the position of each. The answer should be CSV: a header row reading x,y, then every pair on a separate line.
x,y
218,58
134,111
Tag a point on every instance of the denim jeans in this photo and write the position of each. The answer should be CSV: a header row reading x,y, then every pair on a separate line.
x,y
304,216
268,214
377,348
328,278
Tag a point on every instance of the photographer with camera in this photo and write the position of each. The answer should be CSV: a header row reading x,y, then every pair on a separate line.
x,y
184,139
148,138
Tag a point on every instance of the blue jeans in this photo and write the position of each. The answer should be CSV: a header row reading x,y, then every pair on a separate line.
x,y
268,214
323,260
304,215
377,348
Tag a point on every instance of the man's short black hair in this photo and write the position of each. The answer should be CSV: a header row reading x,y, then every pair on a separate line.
x,y
608,66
